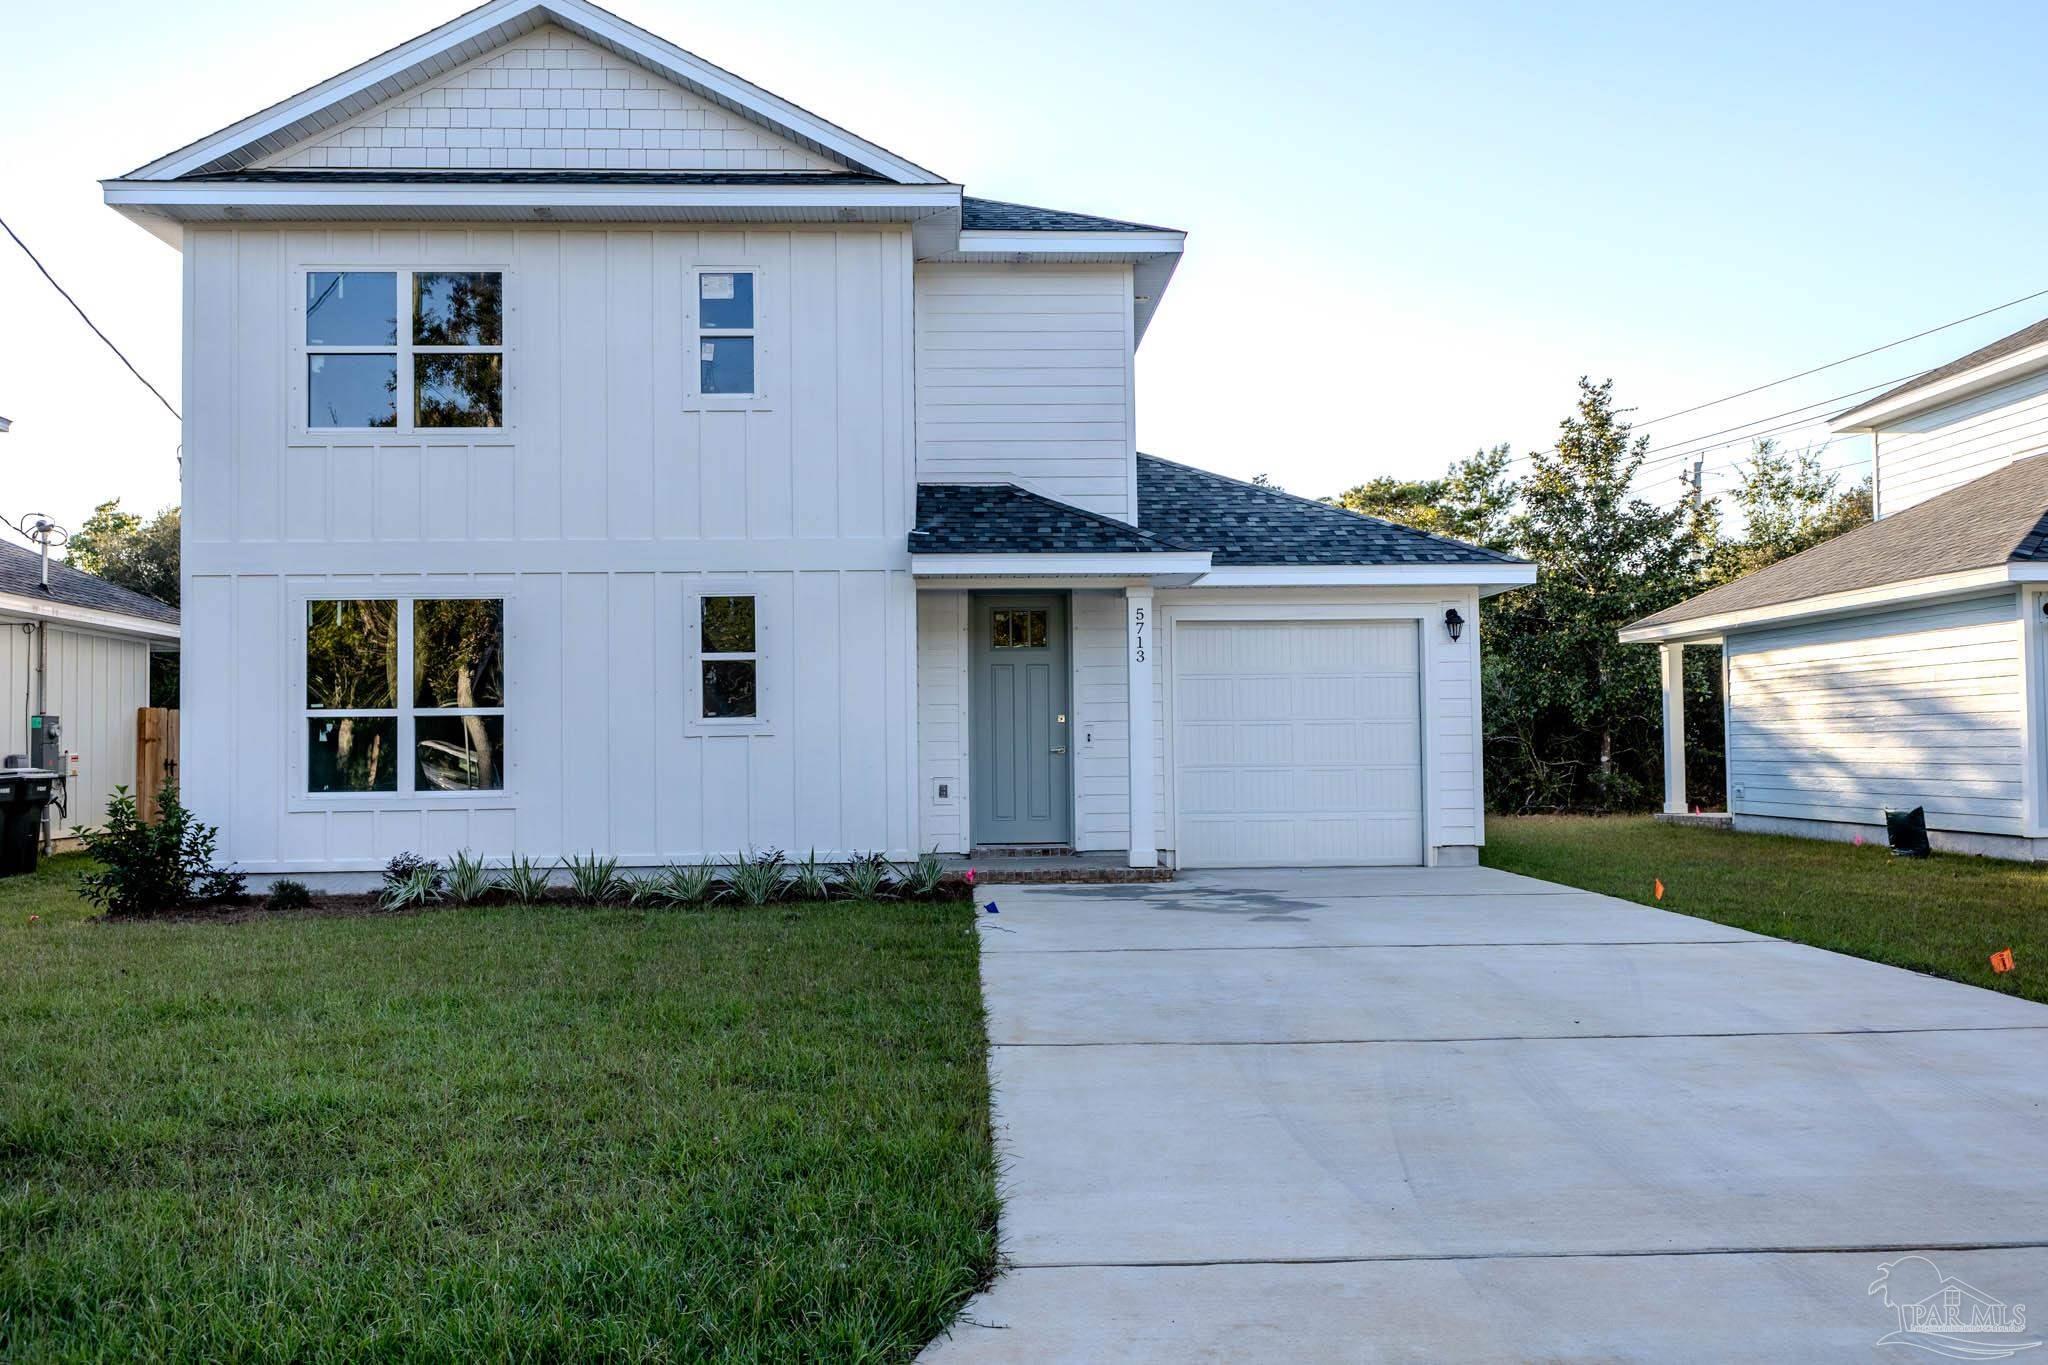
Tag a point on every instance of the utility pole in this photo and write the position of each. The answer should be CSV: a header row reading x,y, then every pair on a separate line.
x,y
1693,482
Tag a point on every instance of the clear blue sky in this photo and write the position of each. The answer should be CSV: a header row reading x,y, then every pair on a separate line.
x,y
1411,226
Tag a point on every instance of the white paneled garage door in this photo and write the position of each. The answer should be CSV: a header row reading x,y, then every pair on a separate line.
x,y
1297,742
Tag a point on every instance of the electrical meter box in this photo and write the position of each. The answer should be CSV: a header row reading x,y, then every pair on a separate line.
x,y
46,742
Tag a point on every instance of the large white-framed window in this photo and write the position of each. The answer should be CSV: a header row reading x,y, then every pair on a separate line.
x,y
400,349
724,309
727,638
402,696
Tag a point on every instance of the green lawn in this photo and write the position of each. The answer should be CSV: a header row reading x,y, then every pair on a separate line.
x,y
527,1133
1946,915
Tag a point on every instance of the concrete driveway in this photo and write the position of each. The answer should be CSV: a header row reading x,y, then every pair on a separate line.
x,y
1458,1115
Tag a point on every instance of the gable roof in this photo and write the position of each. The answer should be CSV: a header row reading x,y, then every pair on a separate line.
x,y
21,575
2011,344
1001,518
433,54
1242,523
1987,523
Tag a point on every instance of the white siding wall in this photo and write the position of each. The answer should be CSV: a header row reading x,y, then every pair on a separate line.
x,y
1951,445
550,101
593,512
1837,720
1024,376
942,674
97,683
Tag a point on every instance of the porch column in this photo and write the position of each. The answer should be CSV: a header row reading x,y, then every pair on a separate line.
x,y
1138,658
1672,657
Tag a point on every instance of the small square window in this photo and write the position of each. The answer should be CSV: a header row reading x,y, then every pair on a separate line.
x,y
728,625
725,300
459,390
459,753
458,308
352,753
347,389
726,365
351,655
351,308
729,689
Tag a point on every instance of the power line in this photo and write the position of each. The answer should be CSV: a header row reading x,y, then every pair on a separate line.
x,y
1830,401
88,321
1715,402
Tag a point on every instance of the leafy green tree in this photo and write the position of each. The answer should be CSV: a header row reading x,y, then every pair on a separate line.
x,y
1788,504
1474,500
123,548
1573,714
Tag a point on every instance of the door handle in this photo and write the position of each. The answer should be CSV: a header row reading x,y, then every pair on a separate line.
x,y
1059,749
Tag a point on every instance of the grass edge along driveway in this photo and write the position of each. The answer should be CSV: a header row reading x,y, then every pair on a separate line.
x,y
1945,915
516,1133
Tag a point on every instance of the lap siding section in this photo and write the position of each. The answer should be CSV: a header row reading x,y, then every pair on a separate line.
x,y
1924,706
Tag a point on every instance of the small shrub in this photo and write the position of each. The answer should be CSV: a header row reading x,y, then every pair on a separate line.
x,y
922,879
286,894
407,867
469,880
679,885
642,889
865,877
523,880
147,868
811,879
422,886
757,880
594,880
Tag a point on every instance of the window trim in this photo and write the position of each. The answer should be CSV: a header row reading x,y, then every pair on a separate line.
x,y
695,722
302,796
694,335
406,399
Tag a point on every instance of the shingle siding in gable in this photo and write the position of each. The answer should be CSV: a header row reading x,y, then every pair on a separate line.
x,y
551,101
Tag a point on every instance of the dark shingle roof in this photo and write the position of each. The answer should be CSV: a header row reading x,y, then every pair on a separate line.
x,y
996,215
1983,355
1242,523
1001,518
21,576
2001,518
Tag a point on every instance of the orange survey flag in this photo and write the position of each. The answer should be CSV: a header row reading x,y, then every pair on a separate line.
x,y
1660,888
2001,961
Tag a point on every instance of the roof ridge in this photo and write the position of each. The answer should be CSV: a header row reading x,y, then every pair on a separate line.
x,y
1320,505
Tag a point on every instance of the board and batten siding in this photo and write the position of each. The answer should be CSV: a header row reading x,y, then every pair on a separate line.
x,y
594,512
1948,446
97,682
1024,376
1839,719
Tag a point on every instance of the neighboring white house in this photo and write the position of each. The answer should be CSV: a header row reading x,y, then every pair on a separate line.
x,y
78,649
1904,663
587,449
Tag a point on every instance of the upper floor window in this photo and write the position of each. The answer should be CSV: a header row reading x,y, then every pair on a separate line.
x,y
400,349
726,333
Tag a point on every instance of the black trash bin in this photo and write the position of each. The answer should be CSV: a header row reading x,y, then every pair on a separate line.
x,y
23,794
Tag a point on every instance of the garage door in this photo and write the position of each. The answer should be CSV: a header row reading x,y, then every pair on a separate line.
x,y
1297,742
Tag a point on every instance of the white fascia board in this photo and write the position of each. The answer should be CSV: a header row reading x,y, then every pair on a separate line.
x,y
1078,244
1489,578
579,17
910,201
1989,375
86,618
1141,565
1706,629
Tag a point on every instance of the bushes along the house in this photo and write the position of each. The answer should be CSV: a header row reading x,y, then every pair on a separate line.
x,y
152,868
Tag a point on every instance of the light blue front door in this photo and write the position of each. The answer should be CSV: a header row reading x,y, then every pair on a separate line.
x,y
1023,790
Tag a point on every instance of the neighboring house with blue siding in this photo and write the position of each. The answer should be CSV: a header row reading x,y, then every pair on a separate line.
x,y
1904,663
588,449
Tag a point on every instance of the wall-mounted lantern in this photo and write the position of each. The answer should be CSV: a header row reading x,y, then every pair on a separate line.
x,y
1454,623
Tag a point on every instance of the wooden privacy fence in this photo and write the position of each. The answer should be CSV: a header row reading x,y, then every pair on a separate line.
x,y
156,756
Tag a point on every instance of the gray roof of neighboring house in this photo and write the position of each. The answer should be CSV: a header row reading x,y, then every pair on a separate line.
x,y
1001,518
21,575
1242,523
996,215
2001,518
1983,355
1179,508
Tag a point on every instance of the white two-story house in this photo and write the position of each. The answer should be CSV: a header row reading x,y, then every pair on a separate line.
x,y
586,449
1903,664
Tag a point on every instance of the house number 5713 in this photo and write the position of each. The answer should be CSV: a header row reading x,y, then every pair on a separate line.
x,y
1138,634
